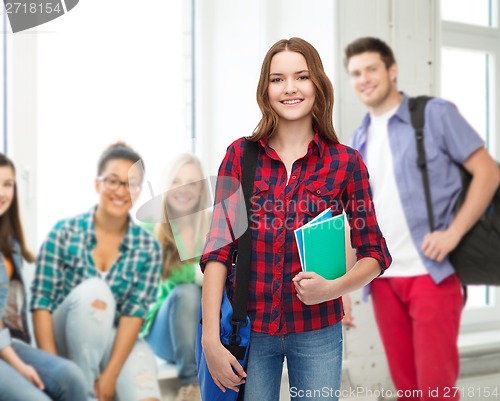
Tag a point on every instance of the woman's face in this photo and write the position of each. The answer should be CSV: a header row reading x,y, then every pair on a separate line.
x,y
7,184
118,186
291,92
184,195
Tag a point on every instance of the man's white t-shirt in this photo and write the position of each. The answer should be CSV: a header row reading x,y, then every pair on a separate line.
x,y
406,261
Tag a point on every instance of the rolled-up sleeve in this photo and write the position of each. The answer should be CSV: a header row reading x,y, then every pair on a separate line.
x,y
47,282
5,339
229,214
144,292
453,132
366,236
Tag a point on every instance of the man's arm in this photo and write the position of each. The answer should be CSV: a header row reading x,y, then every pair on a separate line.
x,y
485,181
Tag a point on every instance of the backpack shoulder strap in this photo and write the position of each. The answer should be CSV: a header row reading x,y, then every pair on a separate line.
x,y
417,114
240,298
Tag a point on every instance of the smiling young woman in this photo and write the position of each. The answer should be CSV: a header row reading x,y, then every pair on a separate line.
x,y
96,275
295,315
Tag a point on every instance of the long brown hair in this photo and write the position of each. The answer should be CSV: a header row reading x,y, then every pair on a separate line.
x,y
322,112
10,222
171,257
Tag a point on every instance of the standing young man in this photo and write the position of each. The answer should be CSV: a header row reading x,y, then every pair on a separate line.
x,y
418,302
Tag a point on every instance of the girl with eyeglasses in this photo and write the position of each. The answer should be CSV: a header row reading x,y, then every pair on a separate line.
x,y
96,275
26,373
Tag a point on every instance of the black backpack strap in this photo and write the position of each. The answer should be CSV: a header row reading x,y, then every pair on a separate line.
x,y
417,114
240,298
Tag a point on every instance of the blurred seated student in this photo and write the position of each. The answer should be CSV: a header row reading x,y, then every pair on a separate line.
x,y
96,275
170,326
26,373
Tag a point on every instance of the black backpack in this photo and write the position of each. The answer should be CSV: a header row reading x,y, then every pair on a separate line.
x,y
476,259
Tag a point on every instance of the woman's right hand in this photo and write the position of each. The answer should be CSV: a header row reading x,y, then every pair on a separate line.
x,y
31,374
224,367
9,355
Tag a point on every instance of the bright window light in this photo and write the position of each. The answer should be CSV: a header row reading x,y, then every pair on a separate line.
x,y
470,95
477,12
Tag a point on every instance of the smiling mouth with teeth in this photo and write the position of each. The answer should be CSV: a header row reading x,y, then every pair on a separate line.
x,y
295,101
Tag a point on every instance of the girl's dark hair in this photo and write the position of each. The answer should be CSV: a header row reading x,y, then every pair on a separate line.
x,y
322,112
371,45
10,222
118,150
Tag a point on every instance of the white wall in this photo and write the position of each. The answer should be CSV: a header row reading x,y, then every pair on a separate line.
x,y
22,125
106,71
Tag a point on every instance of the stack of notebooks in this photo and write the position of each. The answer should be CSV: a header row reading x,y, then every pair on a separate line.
x,y
321,245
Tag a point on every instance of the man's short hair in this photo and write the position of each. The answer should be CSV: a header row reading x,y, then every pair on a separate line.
x,y
370,44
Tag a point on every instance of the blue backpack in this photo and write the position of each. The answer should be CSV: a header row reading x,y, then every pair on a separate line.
x,y
234,323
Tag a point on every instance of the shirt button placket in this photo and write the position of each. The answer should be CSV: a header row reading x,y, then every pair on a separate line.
x,y
277,286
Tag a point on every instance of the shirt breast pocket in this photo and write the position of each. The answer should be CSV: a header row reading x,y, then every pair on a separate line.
x,y
130,276
437,161
262,201
75,270
319,196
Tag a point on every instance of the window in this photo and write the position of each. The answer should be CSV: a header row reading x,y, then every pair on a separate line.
x,y
129,82
470,72
477,12
472,96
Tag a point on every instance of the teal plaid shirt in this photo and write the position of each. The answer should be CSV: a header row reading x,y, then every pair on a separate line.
x,y
65,260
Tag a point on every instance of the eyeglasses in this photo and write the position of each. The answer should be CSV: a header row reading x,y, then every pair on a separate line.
x,y
114,184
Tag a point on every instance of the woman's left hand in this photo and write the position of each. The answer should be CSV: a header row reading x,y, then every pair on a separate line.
x,y
104,387
313,289
31,374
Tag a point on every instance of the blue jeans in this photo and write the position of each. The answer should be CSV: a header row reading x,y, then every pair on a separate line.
x,y
173,333
85,334
314,362
63,380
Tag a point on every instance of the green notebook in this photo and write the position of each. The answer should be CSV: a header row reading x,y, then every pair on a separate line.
x,y
321,245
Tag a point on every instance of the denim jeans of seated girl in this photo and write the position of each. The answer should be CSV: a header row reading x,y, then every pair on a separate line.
x,y
84,331
63,380
173,333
